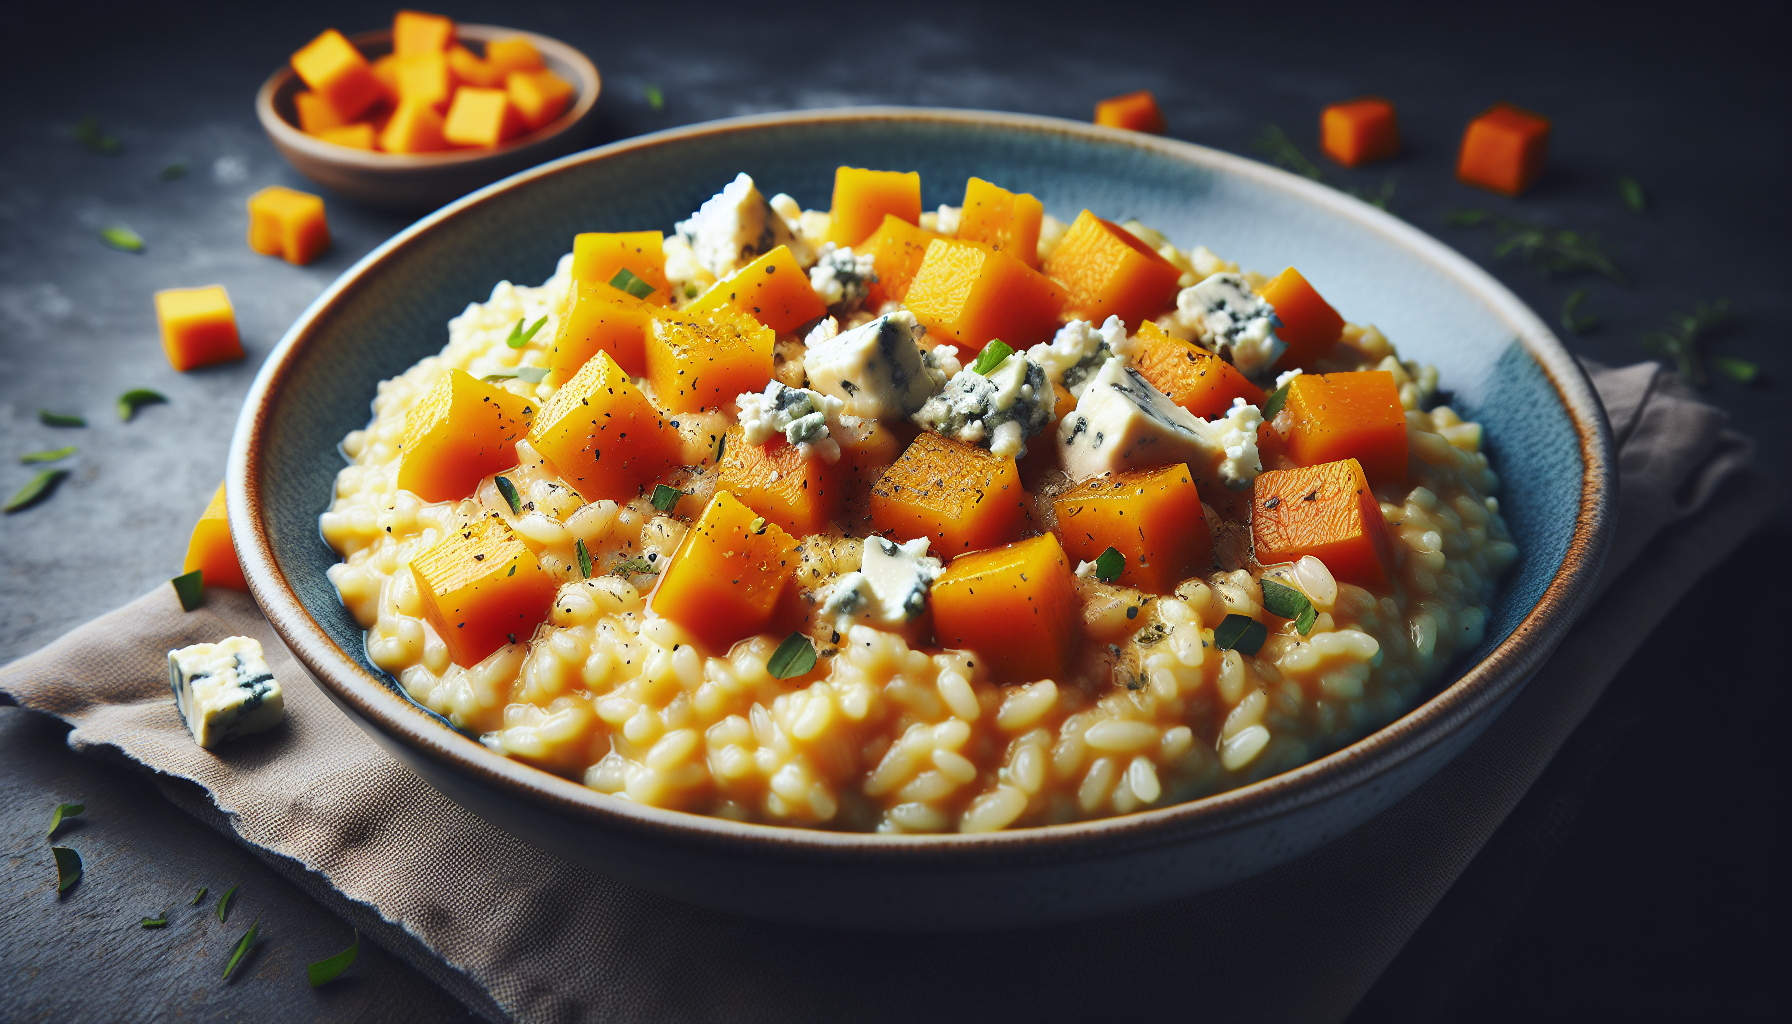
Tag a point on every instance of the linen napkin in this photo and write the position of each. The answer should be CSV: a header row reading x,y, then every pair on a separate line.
x,y
518,934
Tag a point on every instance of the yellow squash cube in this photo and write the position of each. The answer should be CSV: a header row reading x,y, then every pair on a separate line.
x,y
482,588
289,224
198,326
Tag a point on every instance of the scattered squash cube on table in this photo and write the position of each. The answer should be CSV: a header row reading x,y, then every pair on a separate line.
x,y
481,117
198,326
1359,132
209,549
1135,110
1503,150
336,72
289,224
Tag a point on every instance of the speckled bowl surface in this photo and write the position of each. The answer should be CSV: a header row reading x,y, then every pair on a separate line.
x,y
1546,434
424,181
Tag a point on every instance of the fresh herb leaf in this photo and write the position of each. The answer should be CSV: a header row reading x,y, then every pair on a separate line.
x,y
199,896
1274,143
1739,370
520,337
794,657
242,947
57,419
1304,621
584,558
53,455
1631,191
88,133
63,811
156,922
1240,633
511,498
68,868
121,238
224,901
530,374
1289,603
1109,565
655,98
1277,399
35,490
174,171
190,588
1577,324
1685,335
991,357
664,498
1548,250
325,971
626,280
721,446
131,400
630,566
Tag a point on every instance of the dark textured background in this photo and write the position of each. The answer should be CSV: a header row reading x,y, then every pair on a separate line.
x,y
1642,879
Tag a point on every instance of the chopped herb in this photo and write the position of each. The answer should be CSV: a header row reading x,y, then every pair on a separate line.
x,y
242,947
1289,603
121,238
63,811
1240,633
655,98
519,337
174,171
1739,370
1548,250
511,498
1277,399
991,357
794,657
584,558
88,133
325,971
1631,191
630,566
199,896
156,922
37,489
512,572
721,446
129,402
68,868
1684,335
626,280
224,901
664,498
1304,621
528,374
57,419
1577,324
53,455
190,588
690,291
1109,565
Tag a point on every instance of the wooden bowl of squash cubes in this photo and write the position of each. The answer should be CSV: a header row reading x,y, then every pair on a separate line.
x,y
417,115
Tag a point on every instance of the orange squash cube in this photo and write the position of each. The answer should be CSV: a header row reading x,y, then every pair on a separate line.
x,y
960,497
724,581
1005,221
481,117
1333,416
1151,516
1326,511
424,78
603,436
502,56
1359,132
414,32
413,128
698,361
198,327
360,135
289,224
1194,378
773,479
967,293
210,550
1309,324
1015,606
1503,150
1107,271
897,248
539,96
385,71
482,588
772,290
863,198
316,114
599,318
1135,110
335,70
471,69
462,430
597,256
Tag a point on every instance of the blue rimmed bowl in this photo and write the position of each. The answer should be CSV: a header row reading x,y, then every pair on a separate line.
x,y
1546,434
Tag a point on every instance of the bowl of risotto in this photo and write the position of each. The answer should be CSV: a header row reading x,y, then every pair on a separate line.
x,y
919,519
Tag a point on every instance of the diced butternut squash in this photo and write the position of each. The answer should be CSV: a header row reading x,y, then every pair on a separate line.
x,y
1328,512
385,71
1107,271
1015,606
724,581
1194,378
198,327
959,496
335,70
1335,416
702,361
897,248
1005,221
539,96
503,56
1135,110
866,451
461,430
1359,132
360,135
967,293
482,588
772,290
471,69
414,128
210,550
481,117
1503,150
289,224
316,114
599,318
424,78
1309,324
597,256
603,436
863,198
1151,516
414,32
773,479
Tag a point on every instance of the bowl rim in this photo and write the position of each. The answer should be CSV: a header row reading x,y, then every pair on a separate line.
x,y
287,134
1479,688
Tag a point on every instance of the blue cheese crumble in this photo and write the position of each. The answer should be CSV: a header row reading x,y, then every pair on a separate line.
x,y
840,279
876,369
1122,423
998,412
889,588
1237,434
734,227
1078,350
224,690
804,418
1227,315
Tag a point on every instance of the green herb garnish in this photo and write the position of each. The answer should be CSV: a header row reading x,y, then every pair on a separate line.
x,y
1109,565
1289,603
57,419
88,133
131,400
68,868
199,896
224,901
325,971
1684,336
190,588
991,357
1739,370
156,922
519,337
63,811
664,498
655,98
794,657
626,280
721,446
1240,633
511,498
1547,250
242,947
53,455
1277,399
1577,324
530,374
584,558
121,238
630,566
35,490
1275,144
174,171
1631,191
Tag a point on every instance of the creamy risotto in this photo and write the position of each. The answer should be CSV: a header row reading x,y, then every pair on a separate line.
x,y
887,520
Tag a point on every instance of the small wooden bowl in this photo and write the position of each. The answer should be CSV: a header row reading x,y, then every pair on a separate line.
x,y
424,181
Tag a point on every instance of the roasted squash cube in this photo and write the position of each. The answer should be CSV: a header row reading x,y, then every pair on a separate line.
x,y
1015,606
289,224
598,256
967,293
1151,516
414,32
482,588
724,581
1328,512
1309,324
1359,132
360,135
316,114
332,67
603,436
1194,378
415,127
503,56
385,71
481,117
773,479
424,78
959,496
1003,220
1333,416
1107,271
471,69
539,96
599,318
1503,150
863,198
460,431
198,327
897,248
772,290
1135,110
209,549
699,361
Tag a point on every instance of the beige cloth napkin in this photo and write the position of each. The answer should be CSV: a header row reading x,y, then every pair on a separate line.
x,y
521,935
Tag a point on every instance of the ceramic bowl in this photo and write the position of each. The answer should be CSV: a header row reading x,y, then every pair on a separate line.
x,y
424,181
1546,433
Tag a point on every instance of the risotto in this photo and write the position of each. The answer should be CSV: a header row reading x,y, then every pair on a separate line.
x,y
886,520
